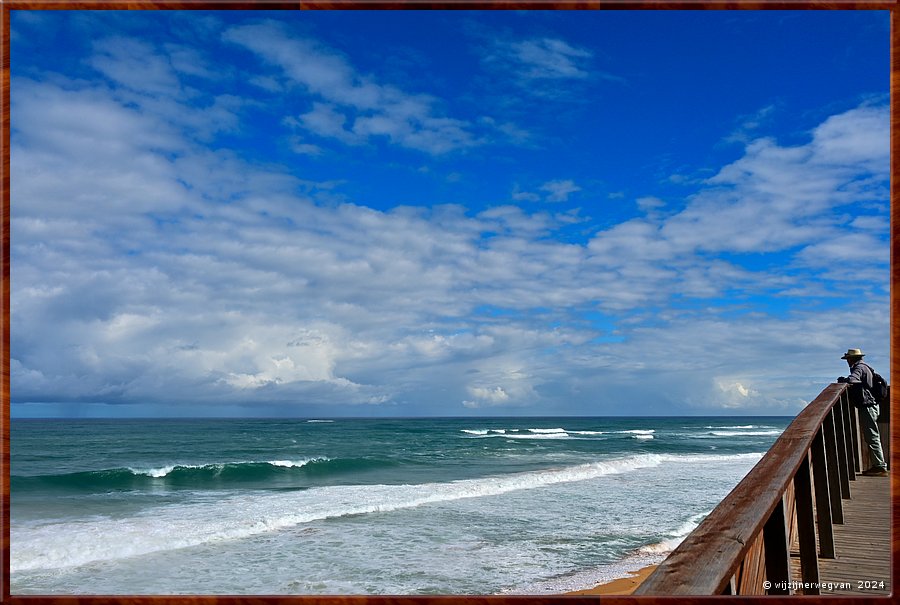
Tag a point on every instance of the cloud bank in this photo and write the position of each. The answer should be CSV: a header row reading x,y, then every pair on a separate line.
x,y
151,268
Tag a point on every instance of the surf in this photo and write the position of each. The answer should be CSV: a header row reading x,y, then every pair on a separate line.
x,y
57,545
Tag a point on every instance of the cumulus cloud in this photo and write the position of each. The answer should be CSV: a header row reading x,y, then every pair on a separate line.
x,y
149,267
352,305
502,383
851,139
486,397
774,198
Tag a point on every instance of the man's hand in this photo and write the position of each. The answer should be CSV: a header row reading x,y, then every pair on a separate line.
x,y
842,379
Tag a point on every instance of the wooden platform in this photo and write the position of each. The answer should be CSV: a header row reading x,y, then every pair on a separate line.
x,y
862,563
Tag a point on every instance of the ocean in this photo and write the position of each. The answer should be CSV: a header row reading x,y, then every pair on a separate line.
x,y
362,506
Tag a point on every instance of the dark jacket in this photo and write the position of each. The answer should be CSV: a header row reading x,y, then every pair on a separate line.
x,y
861,380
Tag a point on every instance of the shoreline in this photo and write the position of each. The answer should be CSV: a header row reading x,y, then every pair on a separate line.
x,y
619,586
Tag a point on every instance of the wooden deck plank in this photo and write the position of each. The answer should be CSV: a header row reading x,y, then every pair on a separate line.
x,y
862,563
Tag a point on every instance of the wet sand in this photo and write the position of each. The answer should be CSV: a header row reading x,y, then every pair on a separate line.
x,y
619,586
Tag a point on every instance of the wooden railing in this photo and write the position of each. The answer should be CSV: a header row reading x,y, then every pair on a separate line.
x,y
795,491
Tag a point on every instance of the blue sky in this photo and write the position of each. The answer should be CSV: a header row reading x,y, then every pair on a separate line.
x,y
445,212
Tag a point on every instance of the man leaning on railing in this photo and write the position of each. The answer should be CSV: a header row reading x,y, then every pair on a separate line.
x,y
861,380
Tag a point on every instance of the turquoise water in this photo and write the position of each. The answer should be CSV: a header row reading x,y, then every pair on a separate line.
x,y
362,506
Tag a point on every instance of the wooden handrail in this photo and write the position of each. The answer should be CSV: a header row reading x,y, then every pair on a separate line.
x,y
743,545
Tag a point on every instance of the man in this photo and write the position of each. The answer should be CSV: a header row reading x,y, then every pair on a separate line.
x,y
862,376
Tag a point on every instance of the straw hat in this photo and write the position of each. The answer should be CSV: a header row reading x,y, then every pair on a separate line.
x,y
853,353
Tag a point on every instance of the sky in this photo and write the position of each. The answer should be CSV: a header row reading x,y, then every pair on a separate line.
x,y
445,213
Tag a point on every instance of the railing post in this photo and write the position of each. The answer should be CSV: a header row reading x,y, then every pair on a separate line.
x,y
865,455
848,435
777,549
806,527
824,495
835,484
854,432
731,587
841,435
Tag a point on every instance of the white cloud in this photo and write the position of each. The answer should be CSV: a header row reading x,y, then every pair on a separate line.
x,y
559,191
853,138
135,65
298,146
486,397
501,383
305,62
353,107
542,59
735,393
266,83
553,191
146,267
845,249
524,196
750,124
187,60
773,198
541,68
326,121
650,203
512,132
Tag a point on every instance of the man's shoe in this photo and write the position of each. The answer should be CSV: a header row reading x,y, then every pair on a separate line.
x,y
875,472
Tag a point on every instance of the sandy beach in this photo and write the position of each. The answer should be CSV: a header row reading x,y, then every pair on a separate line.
x,y
619,586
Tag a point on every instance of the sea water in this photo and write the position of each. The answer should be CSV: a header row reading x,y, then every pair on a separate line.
x,y
362,506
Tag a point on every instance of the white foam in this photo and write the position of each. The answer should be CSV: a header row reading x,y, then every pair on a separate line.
x,y
319,421
677,537
747,426
163,471
690,458
642,436
588,578
639,431
662,548
555,433
153,472
295,463
745,433
690,525
74,543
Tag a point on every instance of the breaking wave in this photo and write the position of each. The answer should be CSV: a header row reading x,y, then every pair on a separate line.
x,y
199,476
